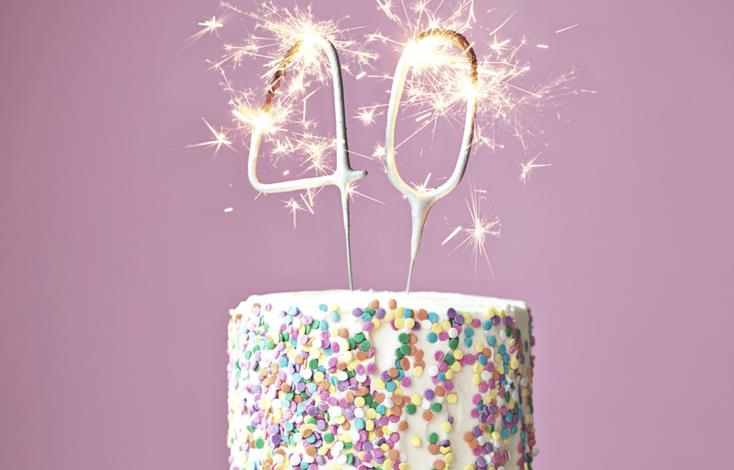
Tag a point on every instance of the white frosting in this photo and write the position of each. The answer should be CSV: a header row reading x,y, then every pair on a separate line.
x,y
244,332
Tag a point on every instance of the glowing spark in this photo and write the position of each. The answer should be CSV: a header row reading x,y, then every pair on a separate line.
x,y
542,46
227,210
423,187
482,226
567,28
360,75
294,207
220,139
208,26
211,25
352,191
366,115
527,167
451,235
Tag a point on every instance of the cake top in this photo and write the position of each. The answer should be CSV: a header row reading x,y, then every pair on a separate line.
x,y
416,299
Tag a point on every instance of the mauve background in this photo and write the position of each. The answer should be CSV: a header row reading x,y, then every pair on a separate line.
x,y
118,263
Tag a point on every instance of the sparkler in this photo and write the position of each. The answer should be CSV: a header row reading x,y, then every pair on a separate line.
x,y
343,176
431,80
421,52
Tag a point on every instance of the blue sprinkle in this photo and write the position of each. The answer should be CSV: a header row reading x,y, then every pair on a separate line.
x,y
432,337
323,307
469,332
487,325
491,341
433,316
407,313
335,317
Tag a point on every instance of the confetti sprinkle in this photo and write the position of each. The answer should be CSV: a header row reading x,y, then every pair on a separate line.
x,y
311,384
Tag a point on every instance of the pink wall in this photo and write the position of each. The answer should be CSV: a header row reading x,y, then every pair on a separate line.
x,y
118,263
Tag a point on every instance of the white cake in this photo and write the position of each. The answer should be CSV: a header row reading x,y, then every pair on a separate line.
x,y
384,380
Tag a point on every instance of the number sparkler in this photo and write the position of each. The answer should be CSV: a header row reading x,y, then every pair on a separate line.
x,y
417,53
343,176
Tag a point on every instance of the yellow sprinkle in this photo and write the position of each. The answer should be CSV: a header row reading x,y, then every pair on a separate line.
x,y
450,374
446,426
415,441
418,371
409,323
359,401
514,363
446,325
399,322
477,367
458,354
369,425
476,379
415,399
452,398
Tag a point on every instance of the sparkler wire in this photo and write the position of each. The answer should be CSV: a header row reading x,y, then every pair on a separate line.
x,y
422,200
343,176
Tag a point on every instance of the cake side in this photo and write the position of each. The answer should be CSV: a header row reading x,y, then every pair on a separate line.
x,y
350,379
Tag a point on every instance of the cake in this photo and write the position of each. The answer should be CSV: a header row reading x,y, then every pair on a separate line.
x,y
380,380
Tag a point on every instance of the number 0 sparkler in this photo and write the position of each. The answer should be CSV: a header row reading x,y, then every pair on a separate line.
x,y
420,50
343,176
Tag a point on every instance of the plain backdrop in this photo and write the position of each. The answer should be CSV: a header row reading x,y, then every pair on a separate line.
x,y
118,262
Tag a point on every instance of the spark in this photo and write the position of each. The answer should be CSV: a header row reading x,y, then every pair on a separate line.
x,y
567,28
451,235
482,226
352,191
227,210
294,207
527,167
423,187
366,114
221,139
208,26
542,46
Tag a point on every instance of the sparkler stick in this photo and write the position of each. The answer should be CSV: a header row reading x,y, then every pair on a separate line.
x,y
422,200
343,176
